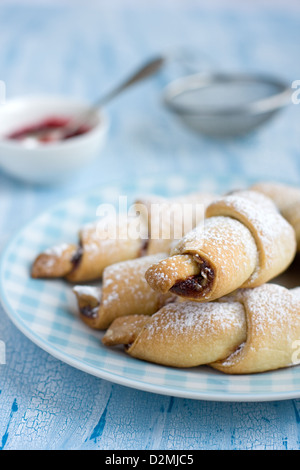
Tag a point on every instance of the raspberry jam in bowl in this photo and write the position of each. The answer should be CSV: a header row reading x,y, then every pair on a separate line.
x,y
32,147
45,131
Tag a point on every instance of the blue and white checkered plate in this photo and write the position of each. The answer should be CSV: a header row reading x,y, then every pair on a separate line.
x,y
44,309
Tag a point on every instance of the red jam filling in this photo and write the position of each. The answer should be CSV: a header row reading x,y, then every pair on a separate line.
x,y
43,131
193,286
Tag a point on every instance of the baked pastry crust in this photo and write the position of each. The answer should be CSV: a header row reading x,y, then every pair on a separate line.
x,y
181,334
86,261
250,331
124,291
169,219
97,249
244,242
287,199
203,299
273,326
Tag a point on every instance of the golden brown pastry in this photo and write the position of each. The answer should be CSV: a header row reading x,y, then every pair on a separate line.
x,y
283,195
86,261
180,334
273,326
134,236
243,242
170,219
124,330
250,331
124,291
287,199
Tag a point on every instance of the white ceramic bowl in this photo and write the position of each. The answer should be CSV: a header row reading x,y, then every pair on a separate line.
x,y
47,163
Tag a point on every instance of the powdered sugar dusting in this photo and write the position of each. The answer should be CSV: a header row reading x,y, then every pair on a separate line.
x,y
275,234
214,240
108,236
197,318
296,292
169,269
269,305
57,250
269,308
127,279
89,291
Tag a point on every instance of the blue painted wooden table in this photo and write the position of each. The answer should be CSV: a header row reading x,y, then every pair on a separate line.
x,y
82,49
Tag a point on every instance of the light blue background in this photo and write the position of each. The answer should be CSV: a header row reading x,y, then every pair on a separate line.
x,y
82,49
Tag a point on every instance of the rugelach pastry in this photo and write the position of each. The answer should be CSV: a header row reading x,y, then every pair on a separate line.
x,y
243,242
87,260
168,220
124,291
96,250
250,331
287,199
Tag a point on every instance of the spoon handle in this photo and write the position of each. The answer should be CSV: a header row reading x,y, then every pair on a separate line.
x,y
143,72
